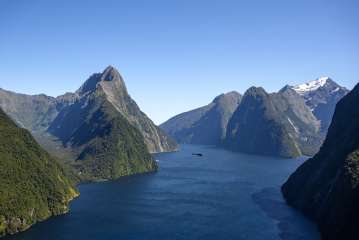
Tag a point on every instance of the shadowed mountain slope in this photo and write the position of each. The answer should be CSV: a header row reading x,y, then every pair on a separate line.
x,y
326,187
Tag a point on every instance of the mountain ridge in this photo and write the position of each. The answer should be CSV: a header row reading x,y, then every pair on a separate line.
x,y
303,114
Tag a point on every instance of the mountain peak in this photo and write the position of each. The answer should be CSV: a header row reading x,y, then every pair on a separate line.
x,y
228,95
254,91
110,67
109,76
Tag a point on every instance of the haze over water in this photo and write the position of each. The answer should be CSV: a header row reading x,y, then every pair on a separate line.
x,y
222,195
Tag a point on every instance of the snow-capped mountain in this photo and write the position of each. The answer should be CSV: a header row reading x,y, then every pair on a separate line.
x,y
321,96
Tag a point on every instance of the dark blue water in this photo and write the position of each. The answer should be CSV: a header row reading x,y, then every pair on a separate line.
x,y
222,195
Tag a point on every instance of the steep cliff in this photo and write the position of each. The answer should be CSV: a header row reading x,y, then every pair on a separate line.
x,y
326,187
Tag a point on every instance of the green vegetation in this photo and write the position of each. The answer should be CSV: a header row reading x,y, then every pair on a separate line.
x,y
33,186
111,146
104,144
94,140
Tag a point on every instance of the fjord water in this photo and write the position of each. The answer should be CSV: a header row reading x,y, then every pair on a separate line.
x,y
222,195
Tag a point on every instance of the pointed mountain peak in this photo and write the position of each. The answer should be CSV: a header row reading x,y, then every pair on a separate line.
x,y
110,68
110,76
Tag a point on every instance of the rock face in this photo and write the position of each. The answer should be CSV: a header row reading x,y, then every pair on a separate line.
x,y
278,124
33,185
326,187
321,96
205,125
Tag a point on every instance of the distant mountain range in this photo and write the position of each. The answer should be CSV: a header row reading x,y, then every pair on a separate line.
x,y
326,187
289,123
100,126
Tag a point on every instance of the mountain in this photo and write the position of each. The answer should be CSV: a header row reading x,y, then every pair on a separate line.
x,y
99,130
326,187
205,125
112,85
37,112
105,144
321,95
33,185
289,123
33,112
278,124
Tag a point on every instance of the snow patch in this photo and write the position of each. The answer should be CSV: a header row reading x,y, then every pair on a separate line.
x,y
310,86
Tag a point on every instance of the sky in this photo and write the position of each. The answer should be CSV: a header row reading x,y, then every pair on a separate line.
x,y
177,55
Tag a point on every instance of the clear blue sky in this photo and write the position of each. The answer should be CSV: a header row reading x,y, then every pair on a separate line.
x,y
177,55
